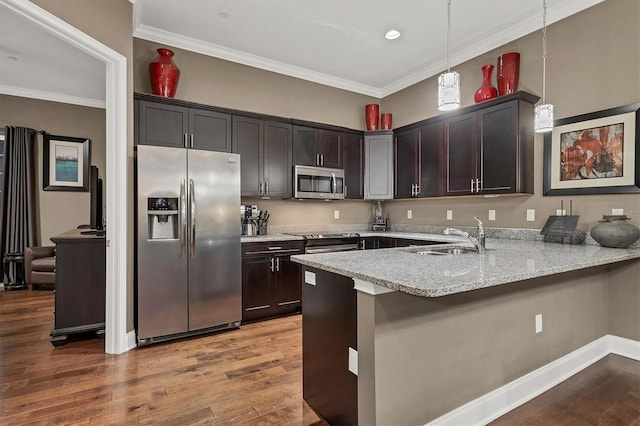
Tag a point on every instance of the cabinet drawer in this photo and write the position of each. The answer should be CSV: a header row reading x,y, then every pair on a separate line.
x,y
272,247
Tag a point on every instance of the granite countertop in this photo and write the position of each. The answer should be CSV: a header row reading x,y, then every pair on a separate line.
x,y
505,261
269,238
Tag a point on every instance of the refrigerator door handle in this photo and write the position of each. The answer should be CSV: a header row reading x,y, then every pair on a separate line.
x,y
182,232
192,205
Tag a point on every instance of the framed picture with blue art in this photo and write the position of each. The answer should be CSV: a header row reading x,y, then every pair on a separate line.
x,y
65,163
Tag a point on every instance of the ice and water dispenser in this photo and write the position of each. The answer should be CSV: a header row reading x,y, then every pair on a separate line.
x,y
162,217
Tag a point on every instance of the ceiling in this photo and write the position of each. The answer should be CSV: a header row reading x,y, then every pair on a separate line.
x,y
333,42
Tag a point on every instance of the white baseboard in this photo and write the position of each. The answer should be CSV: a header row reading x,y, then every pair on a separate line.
x,y
504,399
131,340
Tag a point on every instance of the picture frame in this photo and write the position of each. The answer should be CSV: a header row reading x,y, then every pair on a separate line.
x,y
595,153
65,163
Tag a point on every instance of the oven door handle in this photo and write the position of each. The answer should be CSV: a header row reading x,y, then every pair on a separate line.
x,y
330,249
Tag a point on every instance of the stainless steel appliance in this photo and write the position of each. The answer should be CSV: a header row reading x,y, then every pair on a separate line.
x,y
319,183
188,242
329,242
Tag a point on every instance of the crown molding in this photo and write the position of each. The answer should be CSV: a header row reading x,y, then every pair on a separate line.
x,y
52,96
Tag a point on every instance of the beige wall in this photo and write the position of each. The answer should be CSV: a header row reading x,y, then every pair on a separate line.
x,y
593,63
444,352
213,81
58,211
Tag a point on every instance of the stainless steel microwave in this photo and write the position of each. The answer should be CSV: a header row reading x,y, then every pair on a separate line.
x,y
318,182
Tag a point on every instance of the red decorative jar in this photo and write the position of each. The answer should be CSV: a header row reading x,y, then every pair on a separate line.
x,y
508,73
385,121
372,116
164,74
486,91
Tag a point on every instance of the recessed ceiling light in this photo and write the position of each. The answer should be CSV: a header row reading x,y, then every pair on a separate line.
x,y
223,15
392,34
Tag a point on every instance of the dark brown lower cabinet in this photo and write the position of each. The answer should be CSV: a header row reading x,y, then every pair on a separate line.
x,y
80,285
270,280
329,329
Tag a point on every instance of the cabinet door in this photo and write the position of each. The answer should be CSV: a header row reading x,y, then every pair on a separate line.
x,y
329,147
406,158
431,179
276,161
286,286
247,141
162,125
378,172
304,146
210,130
460,137
499,148
353,163
257,287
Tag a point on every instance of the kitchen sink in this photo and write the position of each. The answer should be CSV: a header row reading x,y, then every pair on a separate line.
x,y
443,251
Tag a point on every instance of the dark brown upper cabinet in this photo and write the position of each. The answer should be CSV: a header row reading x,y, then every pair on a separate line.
x,y
490,150
265,156
353,163
163,124
419,161
317,147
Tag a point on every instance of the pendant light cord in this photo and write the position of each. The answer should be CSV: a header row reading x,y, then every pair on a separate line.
x,y
449,37
544,50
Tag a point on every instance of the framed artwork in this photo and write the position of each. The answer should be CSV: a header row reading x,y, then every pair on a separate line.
x,y
596,153
65,163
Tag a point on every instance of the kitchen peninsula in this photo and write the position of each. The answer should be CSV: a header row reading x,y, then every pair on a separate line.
x,y
424,334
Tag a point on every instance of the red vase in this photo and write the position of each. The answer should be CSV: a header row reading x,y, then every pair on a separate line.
x,y
486,91
508,73
164,74
385,121
372,116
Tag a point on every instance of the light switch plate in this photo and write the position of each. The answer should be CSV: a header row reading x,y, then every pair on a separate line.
x,y
449,214
409,214
539,323
561,212
309,277
336,214
492,215
353,361
531,215
617,212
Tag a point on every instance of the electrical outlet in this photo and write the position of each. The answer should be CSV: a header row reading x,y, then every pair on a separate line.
x,y
561,212
617,212
336,214
492,215
539,323
409,214
531,215
449,214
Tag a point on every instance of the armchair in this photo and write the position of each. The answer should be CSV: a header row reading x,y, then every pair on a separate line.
x,y
40,266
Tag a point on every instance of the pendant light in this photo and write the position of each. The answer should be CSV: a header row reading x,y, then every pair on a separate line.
x,y
544,111
449,82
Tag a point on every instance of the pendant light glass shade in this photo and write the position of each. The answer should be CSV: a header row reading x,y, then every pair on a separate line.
x,y
448,82
448,91
543,118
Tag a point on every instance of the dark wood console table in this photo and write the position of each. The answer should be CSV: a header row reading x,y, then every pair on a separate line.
x,y
80,285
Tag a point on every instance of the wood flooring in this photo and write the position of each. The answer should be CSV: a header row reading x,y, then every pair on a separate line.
x,y
251,376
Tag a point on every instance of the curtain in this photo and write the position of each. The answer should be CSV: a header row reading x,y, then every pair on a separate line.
x,y
18,215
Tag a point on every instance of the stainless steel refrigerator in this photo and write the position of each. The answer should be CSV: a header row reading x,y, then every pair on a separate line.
x,y
188,242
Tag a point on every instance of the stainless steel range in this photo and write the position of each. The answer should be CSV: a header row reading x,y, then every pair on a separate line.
x,y
329,242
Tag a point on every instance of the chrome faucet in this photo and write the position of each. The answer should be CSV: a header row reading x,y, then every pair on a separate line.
x,y
478,241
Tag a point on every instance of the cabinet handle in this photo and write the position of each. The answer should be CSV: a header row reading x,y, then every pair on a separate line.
x,y
362,245
273,266
322,159
472,186
478,186
260,188
184,140
413,189
277,264
266,187
191,140
317,159
417,189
